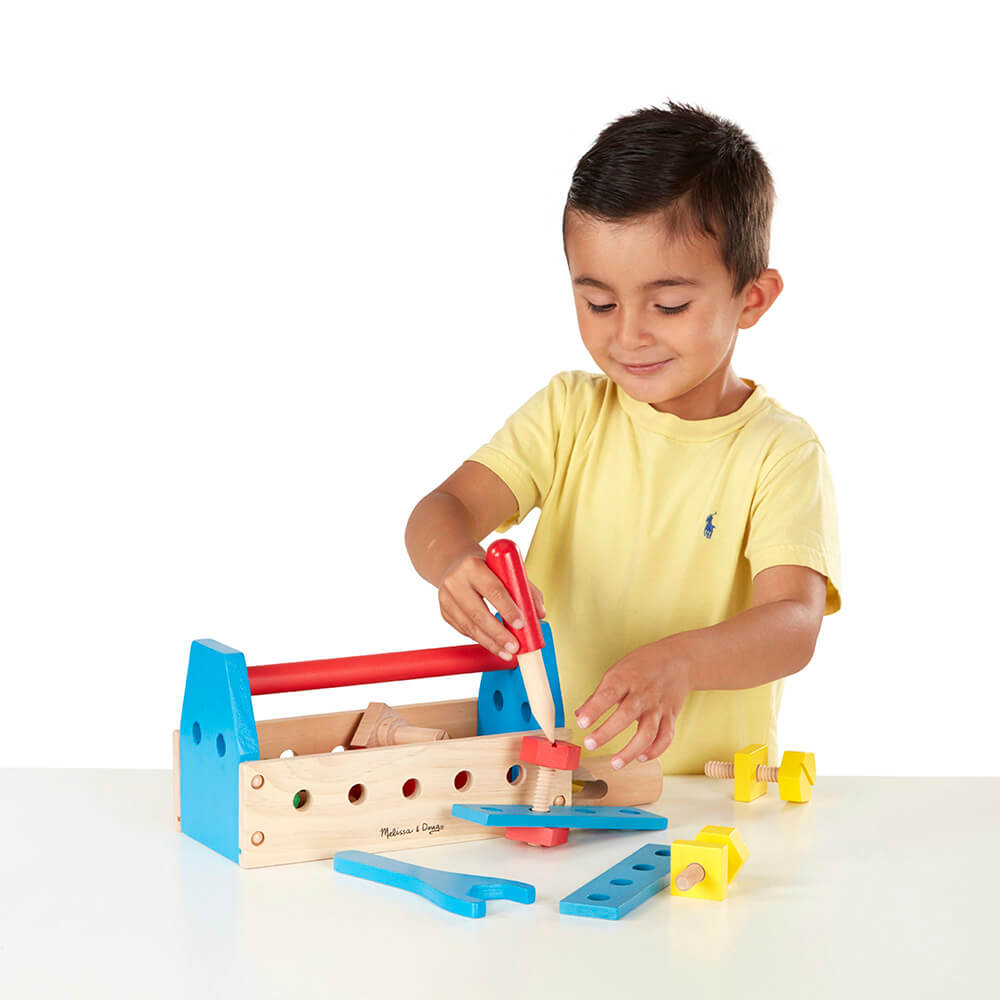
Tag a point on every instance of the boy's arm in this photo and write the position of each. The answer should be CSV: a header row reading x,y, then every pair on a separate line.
x,y
773,638
442,538
453,518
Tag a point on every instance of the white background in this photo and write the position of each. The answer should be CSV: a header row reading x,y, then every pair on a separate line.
x,y
270,272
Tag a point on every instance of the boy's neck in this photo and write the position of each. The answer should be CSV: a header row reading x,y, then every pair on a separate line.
x,y
720,394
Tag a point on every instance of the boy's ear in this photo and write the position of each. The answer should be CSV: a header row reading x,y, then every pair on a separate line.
x,y
763,291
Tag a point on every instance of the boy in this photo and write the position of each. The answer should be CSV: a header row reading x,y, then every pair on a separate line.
x,y
687,542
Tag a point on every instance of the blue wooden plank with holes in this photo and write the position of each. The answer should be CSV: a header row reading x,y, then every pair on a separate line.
x,y
623,886
465,895
570,817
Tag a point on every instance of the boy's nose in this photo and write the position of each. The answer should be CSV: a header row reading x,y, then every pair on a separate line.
x,y
630,336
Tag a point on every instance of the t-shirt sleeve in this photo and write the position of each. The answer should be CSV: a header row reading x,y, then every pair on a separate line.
x,y
793,519
523,452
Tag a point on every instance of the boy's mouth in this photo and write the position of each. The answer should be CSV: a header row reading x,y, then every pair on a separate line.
x,y
645,369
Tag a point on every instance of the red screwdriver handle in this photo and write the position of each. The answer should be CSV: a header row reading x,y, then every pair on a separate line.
x,y
505,560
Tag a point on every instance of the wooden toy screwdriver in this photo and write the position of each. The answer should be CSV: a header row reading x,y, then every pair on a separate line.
x,y
504,558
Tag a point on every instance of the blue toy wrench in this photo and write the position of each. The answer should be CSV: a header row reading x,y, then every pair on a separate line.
x,y
465,895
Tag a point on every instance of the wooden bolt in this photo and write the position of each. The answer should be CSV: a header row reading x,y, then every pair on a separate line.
x,y
549,758
381,726
690,877
706,865
722,769
795,777
543,790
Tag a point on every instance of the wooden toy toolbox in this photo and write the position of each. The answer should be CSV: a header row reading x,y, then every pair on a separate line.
x,y
235,793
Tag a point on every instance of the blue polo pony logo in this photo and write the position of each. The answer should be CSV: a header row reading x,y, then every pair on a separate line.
x,y
709,527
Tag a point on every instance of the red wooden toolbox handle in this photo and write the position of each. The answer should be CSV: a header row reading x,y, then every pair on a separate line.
x,y
373,668
504,559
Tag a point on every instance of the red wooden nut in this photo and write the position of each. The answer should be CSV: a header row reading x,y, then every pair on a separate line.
x,y
561,755
540,836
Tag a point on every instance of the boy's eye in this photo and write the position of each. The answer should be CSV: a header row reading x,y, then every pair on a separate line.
x,y
669,310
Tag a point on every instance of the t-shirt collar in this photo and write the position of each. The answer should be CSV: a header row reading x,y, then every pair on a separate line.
x,y
672,426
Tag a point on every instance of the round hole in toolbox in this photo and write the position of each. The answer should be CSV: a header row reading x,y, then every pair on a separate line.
x,y
583,809
598,896
411,788
256,838
196,733
257,781
356,795
515,775
525,711
559,800
631,812
463,780
642,868
665,853
621,881
498,700
220,745
300,799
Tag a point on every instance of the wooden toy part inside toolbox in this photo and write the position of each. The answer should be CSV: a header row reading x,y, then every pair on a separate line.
x,y
382,726
236,793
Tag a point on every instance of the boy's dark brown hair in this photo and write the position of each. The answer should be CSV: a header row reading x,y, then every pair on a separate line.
x,y
702,172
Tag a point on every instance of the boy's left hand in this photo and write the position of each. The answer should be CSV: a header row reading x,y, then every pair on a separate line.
x,y
648,685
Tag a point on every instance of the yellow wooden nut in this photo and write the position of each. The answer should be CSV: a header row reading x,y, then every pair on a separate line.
x,y
738,851
746,787
713,857
796,776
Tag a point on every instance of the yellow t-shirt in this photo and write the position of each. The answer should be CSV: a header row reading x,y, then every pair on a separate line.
x,y
651,525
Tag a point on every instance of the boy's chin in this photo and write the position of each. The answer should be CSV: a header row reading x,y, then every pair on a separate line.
x,y
646,389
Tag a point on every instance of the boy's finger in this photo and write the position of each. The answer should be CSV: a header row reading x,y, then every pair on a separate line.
x,y
646,732
492,589
500,640
664,737
539,601
478,627
620,719
605,695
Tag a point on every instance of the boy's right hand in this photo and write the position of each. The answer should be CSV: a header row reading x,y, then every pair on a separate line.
x,y
464,585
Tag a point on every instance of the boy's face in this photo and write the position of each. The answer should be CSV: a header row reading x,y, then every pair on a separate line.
x,y
686,329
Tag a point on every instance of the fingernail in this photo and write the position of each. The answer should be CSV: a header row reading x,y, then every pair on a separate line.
x,y
617,763
519,624
512,646
582,721
504,655
643,757
590,743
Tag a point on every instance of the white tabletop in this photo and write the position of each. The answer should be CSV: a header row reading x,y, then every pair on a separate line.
x,y
878,887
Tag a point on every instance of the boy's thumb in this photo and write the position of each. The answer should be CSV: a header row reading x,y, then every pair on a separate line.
x,y
536,596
